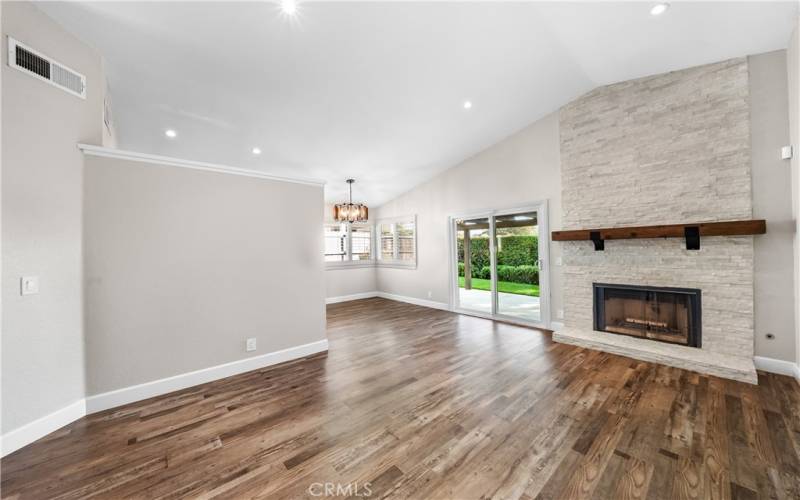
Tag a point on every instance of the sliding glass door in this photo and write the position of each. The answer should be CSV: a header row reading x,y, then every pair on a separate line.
x,y
499,261
516,239
474,265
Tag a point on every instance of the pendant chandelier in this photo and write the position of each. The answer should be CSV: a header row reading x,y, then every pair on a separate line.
x,y
350,212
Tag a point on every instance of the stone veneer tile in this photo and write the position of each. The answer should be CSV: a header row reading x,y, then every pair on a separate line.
x,y
669,148
720,365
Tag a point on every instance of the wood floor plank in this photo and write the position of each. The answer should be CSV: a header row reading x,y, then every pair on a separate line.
x,y
423,403
634,481
583,482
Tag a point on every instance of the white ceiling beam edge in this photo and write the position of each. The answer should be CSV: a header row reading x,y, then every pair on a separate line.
x,y
91,150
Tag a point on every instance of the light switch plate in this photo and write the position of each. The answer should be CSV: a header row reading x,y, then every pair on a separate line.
x,y
786,153
29,285
250,345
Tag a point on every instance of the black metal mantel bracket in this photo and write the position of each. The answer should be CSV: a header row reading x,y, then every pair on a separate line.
x,y
692,235
599,243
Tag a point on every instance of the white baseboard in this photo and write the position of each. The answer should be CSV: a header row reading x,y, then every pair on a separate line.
x,y
13,440
348,298
778,366
111,399
414,300
556,326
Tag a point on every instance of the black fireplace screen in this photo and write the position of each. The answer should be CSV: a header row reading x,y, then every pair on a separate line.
x,y
656,313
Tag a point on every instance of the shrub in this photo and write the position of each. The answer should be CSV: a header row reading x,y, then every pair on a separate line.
x,y
479,250
477,272
526,274
504,273
514,251
518,274
518,251
516,261
514,274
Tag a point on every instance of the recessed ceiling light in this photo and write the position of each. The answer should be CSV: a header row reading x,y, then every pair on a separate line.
x,y
289,7
170,133
256,151
659,9
467,104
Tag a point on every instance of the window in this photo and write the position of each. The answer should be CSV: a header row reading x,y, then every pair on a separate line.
x,y
362,242
348,244
387,241
393,243
398,242
405,241
335,243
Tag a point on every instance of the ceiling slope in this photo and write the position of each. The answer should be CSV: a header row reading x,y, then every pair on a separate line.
x,y
375,91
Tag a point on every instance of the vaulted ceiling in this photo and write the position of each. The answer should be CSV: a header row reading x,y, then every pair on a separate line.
x,y
374,90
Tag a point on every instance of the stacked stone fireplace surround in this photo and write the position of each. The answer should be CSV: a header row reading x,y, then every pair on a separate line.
x,y
667,149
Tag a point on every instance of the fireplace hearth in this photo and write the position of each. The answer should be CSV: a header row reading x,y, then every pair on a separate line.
x,y
657,313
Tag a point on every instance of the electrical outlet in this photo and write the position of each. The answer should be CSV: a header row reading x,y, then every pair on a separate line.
x,y
29,285
430,294
560,314
250,345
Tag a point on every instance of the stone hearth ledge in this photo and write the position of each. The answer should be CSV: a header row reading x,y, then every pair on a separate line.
x,y
688,358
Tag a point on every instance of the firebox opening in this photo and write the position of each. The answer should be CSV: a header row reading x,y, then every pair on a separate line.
x,y
664,314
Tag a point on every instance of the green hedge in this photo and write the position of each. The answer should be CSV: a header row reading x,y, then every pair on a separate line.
x,y
518,274
514,251
514,274
480,252
518,251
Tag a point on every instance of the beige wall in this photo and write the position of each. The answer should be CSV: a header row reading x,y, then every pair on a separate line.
x,y
519,170
772,200
526,167
340,282
793,72
183,265
42,339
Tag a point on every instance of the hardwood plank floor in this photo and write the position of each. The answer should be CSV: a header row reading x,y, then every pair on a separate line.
x,y
413,402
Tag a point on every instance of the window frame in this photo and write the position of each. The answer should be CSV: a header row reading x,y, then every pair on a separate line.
x,y
349,263
395,261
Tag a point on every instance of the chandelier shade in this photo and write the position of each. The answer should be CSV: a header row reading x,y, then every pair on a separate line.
x,y
350,212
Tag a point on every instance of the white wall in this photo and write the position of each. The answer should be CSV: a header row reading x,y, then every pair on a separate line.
x,y
521,169
42,335
772,200
183,265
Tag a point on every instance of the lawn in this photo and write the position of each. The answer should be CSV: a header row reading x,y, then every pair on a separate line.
x,y
503,286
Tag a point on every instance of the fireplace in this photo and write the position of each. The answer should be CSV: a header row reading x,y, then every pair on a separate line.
x,y
656,313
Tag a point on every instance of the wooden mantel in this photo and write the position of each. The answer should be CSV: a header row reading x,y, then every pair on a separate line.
x,y
692,232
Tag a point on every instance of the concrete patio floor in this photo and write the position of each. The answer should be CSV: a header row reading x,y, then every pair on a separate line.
x,y
509,304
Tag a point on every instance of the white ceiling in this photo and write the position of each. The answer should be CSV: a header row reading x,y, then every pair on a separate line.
x,y
375,90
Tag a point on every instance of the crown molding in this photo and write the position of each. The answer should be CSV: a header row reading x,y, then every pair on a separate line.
x,y
91,150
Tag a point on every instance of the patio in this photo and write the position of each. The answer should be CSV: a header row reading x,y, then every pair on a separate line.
x,y
523,307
